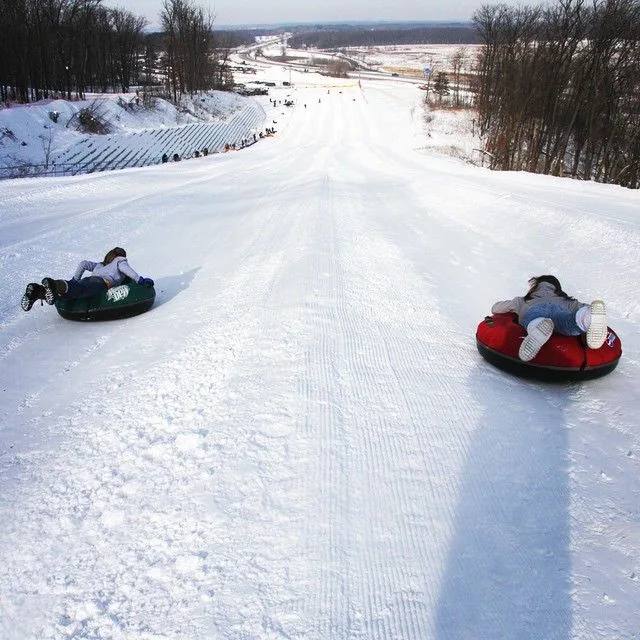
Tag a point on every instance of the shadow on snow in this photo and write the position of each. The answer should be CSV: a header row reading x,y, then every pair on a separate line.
x,y
507,575
169,287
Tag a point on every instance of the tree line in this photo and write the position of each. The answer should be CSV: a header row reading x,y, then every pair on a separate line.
x,y
379,36
66,48
558,86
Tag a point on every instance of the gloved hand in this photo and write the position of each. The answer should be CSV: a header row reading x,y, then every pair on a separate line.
x,y
146,282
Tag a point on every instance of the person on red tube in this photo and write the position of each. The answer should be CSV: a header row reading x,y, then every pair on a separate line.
x,y
547,308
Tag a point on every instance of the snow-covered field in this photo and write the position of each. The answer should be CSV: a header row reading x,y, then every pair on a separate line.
x,y
300,440
313,56
414,58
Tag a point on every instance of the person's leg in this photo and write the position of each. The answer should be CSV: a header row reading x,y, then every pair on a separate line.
x,y
53,289
72,289
590,319
583,318
564,322
85,288
539,321
539,330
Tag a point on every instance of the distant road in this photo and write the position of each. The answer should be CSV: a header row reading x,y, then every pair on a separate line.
x,y
244,53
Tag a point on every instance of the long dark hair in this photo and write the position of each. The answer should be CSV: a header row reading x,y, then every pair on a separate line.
x,y
536,281
116,252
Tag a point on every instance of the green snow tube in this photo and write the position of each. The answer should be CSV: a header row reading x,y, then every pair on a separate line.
x,y
125,300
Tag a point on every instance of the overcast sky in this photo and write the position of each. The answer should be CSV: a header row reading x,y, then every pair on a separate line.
x,y
273,11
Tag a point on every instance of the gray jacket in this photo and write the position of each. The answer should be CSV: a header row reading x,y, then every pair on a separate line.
x,y
545,293
113,273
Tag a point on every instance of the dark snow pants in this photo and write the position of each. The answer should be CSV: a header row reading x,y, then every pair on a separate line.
x,y
85,288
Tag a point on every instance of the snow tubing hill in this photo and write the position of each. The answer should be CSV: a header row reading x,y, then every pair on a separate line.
x,y
562,358
125,300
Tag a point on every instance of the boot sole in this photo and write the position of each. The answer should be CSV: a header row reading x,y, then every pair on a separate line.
x,y
597,332
532,344
27,299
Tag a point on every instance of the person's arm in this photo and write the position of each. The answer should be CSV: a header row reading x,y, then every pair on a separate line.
x,y
85,265
507,306
125,268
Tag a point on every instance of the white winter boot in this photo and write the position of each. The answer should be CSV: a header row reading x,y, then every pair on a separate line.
x,y
538,332
597,331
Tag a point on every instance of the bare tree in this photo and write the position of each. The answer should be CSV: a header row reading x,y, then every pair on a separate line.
x,y
47,140
55,48
192,62
458,60
557,88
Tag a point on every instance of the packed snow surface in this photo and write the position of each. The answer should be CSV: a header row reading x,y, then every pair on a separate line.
x,y
300,440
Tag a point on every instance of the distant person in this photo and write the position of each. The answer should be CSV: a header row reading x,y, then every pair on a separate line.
x,y
165,158
176,157
205,152
196,154
111,272
546,308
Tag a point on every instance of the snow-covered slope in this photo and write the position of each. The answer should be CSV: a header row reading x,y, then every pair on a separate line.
x,y
300,440
138,135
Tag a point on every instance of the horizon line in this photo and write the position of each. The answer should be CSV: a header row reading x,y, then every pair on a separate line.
x,y
355,22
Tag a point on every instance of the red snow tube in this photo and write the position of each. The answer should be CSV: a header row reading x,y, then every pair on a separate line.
x,y
562,358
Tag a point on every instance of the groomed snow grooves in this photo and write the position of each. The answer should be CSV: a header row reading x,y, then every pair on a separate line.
x,y
147,146
300,441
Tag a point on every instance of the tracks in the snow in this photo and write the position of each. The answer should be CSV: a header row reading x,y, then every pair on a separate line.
x,y
299,440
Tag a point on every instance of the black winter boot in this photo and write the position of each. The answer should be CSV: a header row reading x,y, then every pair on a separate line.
x,y
32,293
53,289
